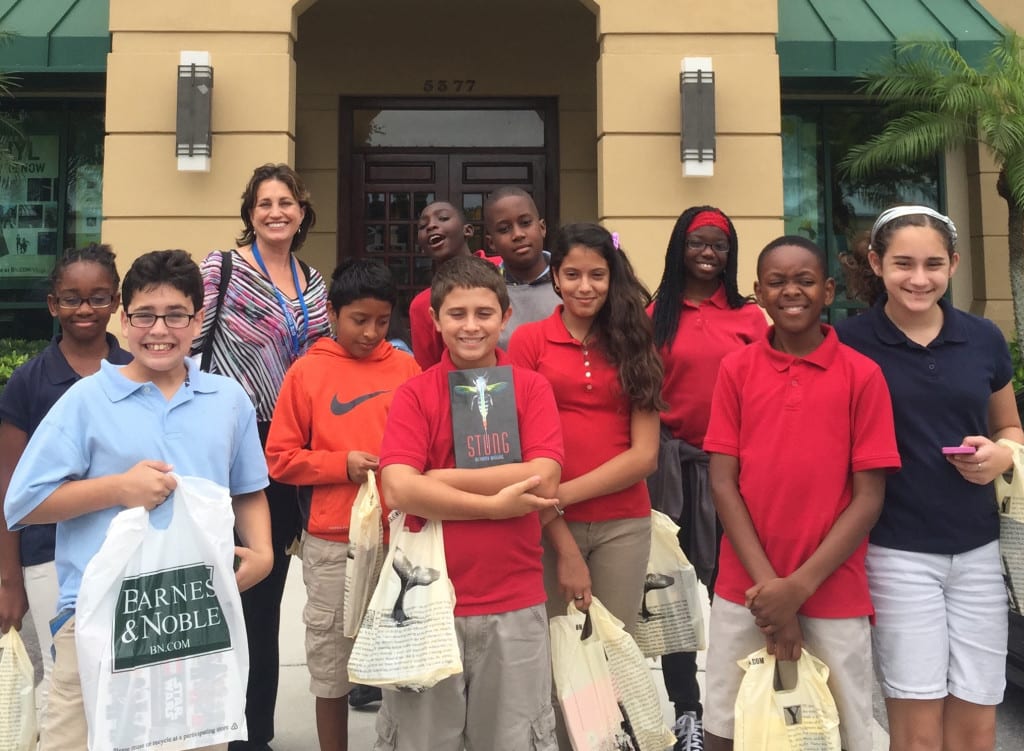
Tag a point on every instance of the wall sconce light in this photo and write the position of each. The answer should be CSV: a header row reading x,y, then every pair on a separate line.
x,y
194,141
697,105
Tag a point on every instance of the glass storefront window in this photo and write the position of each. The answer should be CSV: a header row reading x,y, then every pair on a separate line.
x,y
49,200
463,128
833,210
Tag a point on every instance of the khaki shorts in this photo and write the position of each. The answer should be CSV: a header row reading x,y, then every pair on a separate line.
x,y
500,702
844,644
327,648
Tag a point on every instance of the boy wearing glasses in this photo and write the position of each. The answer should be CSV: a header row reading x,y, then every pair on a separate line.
x,y
111,442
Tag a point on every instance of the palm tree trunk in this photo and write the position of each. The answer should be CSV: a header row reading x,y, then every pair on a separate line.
x,y
1016,246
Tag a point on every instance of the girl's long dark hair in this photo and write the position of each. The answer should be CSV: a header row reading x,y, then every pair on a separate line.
x,y
623,329
668,297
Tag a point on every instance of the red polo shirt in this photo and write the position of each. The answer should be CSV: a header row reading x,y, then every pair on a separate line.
x,y
801,427
427,344
594,411
707,332
495,565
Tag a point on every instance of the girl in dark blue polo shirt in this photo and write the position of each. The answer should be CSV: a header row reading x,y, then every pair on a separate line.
x,y
933,563
83,295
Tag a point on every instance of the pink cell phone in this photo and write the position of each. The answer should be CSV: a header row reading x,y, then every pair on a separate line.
x,y
947,450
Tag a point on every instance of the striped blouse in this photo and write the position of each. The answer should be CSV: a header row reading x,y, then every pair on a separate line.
x,y
252,343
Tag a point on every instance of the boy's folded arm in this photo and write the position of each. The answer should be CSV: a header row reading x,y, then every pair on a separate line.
x,y
490,480
146,484
724,472
623,470
409,490
252,523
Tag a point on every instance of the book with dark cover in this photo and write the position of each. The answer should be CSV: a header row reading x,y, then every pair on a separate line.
x,y
485,424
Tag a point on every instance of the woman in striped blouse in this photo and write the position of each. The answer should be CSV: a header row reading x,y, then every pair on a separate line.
x,y
271,310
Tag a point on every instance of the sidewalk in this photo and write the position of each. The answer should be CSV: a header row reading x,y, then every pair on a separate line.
x,y
294,719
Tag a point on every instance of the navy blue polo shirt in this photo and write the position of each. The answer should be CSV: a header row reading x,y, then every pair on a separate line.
x,y
940,393
32,389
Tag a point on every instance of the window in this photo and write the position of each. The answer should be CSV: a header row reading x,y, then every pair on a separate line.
x,y
836,211
50,200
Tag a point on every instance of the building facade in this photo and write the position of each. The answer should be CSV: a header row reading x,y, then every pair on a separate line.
x,y
384,106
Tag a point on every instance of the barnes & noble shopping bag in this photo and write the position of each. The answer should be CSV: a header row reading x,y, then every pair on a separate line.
x,y
1010,499
17,694
583,685
365,553
407,639
634,685
159,630
802,717
670,619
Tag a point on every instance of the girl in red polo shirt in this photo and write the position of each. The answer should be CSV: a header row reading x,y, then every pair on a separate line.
x,y
597,350
699,317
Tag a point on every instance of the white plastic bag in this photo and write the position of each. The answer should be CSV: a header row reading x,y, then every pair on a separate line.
x,y
365,554
161,640
1010,498
671,619
634,686
801,718
17,695
407,639
583,685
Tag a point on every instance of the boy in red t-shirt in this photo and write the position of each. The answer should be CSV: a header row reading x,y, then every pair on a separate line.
x,y
443,233
324,437
801,436
492,528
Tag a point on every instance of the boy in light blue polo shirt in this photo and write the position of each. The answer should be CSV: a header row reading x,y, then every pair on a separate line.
x,y
110,443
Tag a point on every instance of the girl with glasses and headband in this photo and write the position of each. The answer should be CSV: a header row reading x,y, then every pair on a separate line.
x,y
933,565
699,317
83,295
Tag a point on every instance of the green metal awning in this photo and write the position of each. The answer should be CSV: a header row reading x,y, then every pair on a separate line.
x,y
843,38
55,36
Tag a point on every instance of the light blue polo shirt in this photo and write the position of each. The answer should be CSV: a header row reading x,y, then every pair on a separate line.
x,y
105,424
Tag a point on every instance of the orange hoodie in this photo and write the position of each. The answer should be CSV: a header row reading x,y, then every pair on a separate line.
x,y
332,403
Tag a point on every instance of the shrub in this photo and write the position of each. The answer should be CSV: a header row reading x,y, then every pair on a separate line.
x,y
13,352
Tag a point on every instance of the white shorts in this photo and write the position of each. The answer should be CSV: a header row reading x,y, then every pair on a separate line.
x,y
844,644
940,624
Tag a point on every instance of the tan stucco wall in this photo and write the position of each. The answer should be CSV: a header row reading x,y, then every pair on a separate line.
x,y
641,187
147,203
387,48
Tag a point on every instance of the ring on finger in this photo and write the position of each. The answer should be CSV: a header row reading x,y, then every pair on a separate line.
x,y
577,597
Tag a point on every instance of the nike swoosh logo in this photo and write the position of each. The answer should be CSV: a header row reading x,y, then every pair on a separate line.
x,y
341,408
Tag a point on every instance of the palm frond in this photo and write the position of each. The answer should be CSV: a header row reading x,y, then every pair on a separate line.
x,y
1014,168
907,139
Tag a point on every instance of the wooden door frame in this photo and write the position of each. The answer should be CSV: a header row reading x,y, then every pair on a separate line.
x,y
547,105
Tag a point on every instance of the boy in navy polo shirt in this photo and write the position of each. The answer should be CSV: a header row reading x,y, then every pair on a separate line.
x,y
492,532
801,436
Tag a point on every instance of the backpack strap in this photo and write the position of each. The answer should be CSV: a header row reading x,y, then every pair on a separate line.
x,y
206,360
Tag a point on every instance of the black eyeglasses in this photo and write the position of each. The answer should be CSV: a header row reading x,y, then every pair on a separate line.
x,y
698,245
148,320
95,301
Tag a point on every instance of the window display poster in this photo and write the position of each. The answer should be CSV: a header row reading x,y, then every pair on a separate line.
x,y
29,209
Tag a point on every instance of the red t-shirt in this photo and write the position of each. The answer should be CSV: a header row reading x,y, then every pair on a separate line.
x,y
594,411
707,332
495,565
801,427
427,344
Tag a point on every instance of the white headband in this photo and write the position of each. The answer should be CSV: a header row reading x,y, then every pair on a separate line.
x,y
899,211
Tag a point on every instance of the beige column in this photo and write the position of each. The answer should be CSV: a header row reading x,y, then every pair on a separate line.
x,y
641,190
147,203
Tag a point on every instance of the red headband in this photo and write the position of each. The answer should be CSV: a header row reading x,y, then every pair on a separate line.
x,y
710,219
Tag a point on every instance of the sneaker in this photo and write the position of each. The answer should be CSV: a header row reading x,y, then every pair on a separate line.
x,y
361,696
689,732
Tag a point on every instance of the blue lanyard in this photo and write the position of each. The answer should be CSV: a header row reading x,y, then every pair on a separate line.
x,y
285,307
